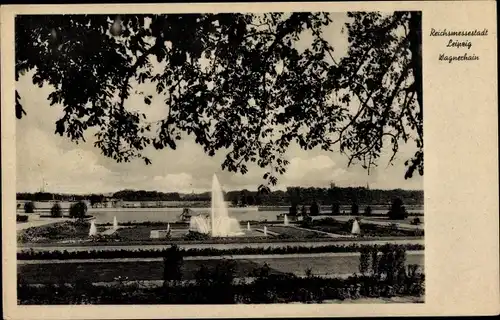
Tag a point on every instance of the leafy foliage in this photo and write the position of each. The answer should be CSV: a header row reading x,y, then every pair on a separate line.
x,y
21,218
56,210
236,82
29,207
383,70
196,236
154,253
217,285
354,209
335,209
398,210
173,261
364,260
293,195
368,211
78,210
314,209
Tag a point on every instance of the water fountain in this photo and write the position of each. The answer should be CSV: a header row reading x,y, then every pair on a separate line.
x,y
115,224
355,228
248,226
218,224
168,227
200,224
285,220
93,229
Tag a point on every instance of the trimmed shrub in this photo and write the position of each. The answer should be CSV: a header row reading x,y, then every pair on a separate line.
x,y
314,209
354,209
173,261
29,207
398,210
368,211
56,211
78,210
416,221
336,209
197,236
21,218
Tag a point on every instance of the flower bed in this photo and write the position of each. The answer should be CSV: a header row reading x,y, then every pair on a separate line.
x,y
332,225
67,230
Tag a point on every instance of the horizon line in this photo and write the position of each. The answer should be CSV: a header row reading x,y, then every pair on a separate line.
x,y
208,191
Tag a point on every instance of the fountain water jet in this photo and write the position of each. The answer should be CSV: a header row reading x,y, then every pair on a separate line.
x,y
355,228
219,224
265,231
93,229
115,224
285,220
248,226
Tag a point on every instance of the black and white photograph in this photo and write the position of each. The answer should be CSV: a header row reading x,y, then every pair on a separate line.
x,y
219,158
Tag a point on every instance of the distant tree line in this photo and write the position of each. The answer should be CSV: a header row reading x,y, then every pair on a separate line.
x,y
295,196
292,196
48,196
142,195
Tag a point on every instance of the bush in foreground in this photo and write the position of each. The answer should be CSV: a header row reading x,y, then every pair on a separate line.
x,y
217,286
384,274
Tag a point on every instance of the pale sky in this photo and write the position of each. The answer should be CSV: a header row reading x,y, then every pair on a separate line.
x,y
67,167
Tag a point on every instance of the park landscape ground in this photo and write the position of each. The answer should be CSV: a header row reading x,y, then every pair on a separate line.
x,y
60,253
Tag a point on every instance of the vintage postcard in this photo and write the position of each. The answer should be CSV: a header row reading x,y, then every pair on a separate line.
x,y
265,158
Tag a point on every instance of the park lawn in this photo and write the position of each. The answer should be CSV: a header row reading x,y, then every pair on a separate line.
x,y
325,265
153,270
292,232
140,232
408,220
107,271
318,265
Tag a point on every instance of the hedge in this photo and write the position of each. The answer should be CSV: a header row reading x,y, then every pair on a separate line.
x,y
156,253
21,218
